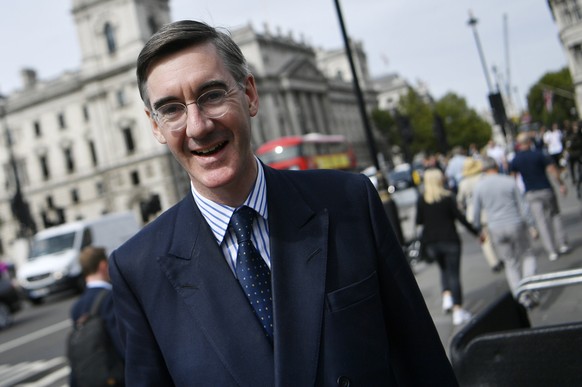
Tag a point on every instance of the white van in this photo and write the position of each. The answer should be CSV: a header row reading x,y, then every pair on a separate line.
x,y
53,261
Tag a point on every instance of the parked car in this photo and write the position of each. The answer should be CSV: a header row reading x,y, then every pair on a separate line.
x,y
10,297
400,178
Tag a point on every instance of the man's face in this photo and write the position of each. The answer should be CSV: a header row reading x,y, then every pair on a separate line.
x,y
216,152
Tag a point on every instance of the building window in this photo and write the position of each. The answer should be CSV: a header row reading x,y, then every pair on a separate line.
x,y
128,138
93,153
100,188
153,25
37,130
44,167
85,113
62,122
75,195
120,94
69,161
577,53
110,37
134,178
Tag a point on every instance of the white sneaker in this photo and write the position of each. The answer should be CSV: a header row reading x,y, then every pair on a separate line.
x,y
461,316
447,303
553,257
564,249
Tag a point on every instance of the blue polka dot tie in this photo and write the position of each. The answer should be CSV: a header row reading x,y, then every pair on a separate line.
x,y
252,272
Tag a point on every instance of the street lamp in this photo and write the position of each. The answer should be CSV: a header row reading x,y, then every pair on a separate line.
x,y
389,205
18,205
473,24
495,99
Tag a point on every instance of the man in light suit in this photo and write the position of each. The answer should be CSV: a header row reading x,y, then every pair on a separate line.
x,y
343,306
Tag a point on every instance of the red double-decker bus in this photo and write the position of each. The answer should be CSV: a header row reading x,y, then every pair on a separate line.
x,y
310,151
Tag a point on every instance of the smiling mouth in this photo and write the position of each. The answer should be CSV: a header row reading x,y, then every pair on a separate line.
x,y
210,151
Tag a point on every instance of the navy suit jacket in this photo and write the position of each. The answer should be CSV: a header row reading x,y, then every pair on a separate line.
x,y
347,309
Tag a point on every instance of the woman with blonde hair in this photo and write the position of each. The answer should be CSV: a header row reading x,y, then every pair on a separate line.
x,y
437,212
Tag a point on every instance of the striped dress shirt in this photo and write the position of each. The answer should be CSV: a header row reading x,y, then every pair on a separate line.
x,y
218,218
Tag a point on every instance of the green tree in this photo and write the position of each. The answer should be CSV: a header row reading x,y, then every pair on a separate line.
x,y
463,125
412,125
420,115
559,85
384,122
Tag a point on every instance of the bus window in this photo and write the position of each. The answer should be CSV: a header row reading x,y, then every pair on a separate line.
x,y
310,151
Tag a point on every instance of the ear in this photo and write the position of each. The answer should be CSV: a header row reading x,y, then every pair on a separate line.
x,y
103,266
156,130
252,95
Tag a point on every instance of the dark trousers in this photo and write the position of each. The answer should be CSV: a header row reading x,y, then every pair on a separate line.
x,y
448,257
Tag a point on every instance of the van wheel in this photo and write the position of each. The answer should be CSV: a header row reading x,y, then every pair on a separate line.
x,y
6,317
36,301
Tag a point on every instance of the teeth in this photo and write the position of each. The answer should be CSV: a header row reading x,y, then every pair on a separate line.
x,y
210,150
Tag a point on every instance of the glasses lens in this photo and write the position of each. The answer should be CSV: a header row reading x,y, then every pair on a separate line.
x,y
172,116
212,103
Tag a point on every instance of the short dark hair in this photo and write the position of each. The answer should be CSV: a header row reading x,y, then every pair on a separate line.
x,y
179,35
90,258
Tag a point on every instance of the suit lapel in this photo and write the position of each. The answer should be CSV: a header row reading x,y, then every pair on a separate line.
x,y
298,238
196,268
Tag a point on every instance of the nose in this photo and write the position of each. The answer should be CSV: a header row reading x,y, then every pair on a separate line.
x,y
197,124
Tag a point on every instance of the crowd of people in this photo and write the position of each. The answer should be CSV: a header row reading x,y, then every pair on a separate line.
x,y
505,195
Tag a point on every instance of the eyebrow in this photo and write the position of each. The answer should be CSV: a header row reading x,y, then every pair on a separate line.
x,y
212,84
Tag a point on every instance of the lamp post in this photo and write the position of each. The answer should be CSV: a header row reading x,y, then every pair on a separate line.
x,y
495,99
18,205
473,24
389,205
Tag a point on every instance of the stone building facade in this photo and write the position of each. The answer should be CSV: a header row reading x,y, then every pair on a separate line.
x,y
568,17
82,144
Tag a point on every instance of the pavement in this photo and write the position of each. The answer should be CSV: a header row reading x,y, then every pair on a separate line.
x,y
481,286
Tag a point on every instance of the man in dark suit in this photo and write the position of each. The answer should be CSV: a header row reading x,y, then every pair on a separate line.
x,y
95,268
339,304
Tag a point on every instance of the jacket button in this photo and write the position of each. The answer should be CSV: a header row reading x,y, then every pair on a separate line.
x,y
343,381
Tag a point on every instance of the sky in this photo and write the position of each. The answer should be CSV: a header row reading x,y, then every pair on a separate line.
x,y
425,41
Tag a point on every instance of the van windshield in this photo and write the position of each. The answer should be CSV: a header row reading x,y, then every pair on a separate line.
x,y
52,245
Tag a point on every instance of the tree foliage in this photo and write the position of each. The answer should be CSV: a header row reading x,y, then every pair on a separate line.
x,y
464,126
414,124
563,105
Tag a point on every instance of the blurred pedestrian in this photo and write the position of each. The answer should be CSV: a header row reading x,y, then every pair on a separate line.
x,y
499,196
436,215
573,149
497,152
553,142
534,167
454,169
95,269
471,176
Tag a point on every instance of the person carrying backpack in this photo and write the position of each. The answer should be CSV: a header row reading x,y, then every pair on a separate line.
x,y
93,346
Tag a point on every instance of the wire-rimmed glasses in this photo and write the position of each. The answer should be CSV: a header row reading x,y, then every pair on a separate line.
x,y
212,104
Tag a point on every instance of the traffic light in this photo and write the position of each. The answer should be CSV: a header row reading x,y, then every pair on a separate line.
x,y
498,109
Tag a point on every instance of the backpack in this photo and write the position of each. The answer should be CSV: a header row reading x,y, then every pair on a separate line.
x,y
91,353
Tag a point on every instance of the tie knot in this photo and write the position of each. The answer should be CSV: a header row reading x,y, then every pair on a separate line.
x,y
242,223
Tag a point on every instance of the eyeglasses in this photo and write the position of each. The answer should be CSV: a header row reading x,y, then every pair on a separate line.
x,y
212,104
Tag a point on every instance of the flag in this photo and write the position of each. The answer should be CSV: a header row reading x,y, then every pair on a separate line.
x,y
548,100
